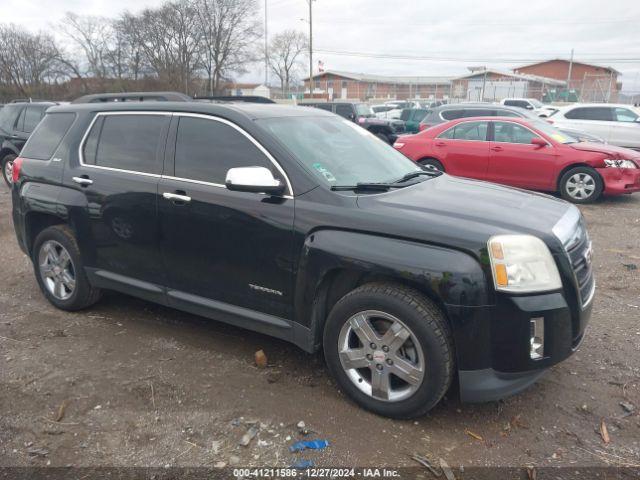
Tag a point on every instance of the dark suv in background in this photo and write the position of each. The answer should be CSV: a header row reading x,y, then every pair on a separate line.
x,y
362,114
17,121
295,223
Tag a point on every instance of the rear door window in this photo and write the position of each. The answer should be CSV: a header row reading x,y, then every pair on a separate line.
x,y
470,131
127,142
479,112
8,117
590,113
344,110
47,136
207,149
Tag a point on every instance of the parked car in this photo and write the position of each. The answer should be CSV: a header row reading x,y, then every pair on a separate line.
x,y
412,118
466,110
525,153
17,121
386,111
298,224
530,104
616,124
386,130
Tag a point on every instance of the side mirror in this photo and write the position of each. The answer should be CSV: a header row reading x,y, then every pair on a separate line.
x,y
253,179
540,142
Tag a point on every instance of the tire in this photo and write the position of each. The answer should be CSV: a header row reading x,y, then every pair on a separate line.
x,y
383,137
7,167
425,346
66,270
572,190
432,163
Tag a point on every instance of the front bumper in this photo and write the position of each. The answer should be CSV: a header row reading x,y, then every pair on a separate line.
x,y
493,342
618,181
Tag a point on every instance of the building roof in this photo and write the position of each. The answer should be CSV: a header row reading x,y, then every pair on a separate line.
x,y
519,76
365,77
604,67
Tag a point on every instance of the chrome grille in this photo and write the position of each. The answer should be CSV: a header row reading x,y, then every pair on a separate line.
x,y
580,253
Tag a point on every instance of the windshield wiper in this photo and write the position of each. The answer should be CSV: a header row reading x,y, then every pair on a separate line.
x,y
381,187
411,175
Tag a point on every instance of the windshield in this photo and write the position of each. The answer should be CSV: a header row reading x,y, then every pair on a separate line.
x,y
363,109
339,152
551,131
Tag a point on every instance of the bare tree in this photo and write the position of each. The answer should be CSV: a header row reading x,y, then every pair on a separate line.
x,y
26,59
229,30
92,36
286,52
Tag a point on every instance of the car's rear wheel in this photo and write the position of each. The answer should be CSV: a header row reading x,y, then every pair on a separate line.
x,y
581,185
390,349
7,168
59,270
432,163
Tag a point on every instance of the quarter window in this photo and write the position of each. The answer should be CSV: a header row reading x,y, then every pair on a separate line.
x,y
474,131
207,149
127,142
46,138
507,132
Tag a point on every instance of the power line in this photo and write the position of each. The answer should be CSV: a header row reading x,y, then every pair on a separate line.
x,y
400,24
467,59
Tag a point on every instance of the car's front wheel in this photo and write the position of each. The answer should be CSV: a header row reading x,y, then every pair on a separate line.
x,y
432,163
59,270
390,349
7,168
581,185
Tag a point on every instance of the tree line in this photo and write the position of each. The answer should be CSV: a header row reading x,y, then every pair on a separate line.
x,y
192,46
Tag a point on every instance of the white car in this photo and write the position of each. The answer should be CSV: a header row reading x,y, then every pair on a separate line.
x,y
528,103
617,124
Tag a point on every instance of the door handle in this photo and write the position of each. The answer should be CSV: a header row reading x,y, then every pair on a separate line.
x,y
83,181
176,197
496,148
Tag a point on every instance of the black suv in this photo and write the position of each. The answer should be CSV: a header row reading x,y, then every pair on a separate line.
x,y
291,222
362,114
17,121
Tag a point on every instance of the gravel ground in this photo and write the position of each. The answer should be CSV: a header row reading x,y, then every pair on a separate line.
x,y
130,383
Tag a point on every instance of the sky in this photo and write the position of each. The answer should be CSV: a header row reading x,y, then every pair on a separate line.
x,y
385,36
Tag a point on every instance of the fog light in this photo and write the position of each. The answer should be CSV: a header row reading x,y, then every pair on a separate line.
x,y
536,332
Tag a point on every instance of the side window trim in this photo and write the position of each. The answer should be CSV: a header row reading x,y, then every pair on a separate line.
x,y
257,144
100,167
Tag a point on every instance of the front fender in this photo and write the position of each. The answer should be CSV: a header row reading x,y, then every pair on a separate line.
x,y
448,276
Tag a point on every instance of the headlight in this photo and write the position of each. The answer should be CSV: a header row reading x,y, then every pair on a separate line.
x,y
620,163
522,264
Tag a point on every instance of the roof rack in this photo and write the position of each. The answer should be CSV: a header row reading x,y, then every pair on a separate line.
x,y
134,97
235,98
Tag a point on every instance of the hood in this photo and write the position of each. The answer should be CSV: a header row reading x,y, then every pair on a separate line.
x,y
462,212
618,153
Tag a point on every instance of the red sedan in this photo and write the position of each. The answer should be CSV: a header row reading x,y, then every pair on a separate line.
x,y
525,153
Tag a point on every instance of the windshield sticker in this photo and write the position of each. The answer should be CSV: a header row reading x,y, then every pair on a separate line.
x,y
559,138
324,172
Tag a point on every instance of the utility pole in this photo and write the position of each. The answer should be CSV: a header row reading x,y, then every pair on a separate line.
x,y
310,48
569,73
266,48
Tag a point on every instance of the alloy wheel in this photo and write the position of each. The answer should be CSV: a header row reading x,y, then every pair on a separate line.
x,y
580,186
57,270
381,356
8,171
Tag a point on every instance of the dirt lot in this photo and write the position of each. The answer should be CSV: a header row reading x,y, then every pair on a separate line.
x,y
137,384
